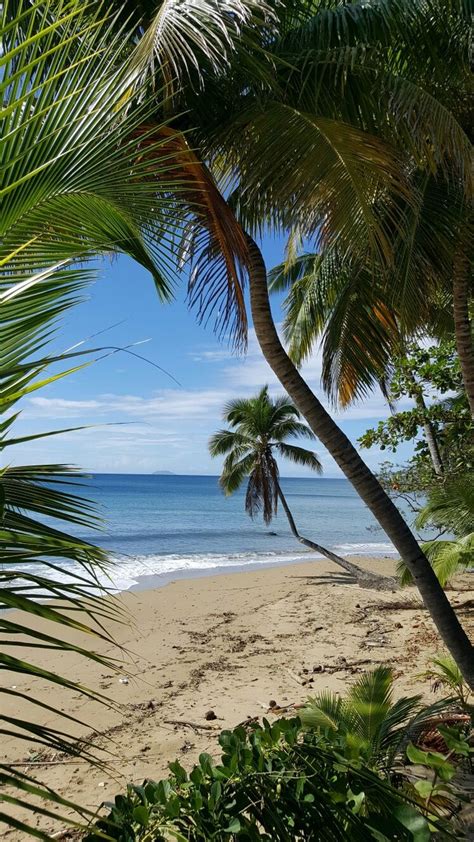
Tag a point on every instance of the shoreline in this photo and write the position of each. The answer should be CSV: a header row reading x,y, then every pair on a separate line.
x,y
161,580
229,643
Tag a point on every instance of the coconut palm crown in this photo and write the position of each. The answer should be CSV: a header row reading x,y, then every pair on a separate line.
x,y
260,427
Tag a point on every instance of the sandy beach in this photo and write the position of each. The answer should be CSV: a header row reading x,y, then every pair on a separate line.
x,y
230,644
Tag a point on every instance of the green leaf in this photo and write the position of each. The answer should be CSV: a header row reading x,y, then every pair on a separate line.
x,y
432,759
140,814
233,826
454,741
425,788
414,821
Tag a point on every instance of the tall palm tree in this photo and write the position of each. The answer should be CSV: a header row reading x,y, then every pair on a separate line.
x,y
360,95
260,427
305,158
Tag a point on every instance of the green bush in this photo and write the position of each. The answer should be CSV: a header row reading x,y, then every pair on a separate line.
x,y
275,781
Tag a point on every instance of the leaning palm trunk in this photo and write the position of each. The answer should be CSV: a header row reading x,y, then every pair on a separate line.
x,y
462,323
363,577
355,469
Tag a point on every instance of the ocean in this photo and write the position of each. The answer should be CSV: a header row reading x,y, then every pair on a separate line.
x,y
162,527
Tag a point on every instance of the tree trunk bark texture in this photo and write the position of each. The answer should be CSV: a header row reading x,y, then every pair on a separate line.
x,y
356,471
430,437
462,323
363,577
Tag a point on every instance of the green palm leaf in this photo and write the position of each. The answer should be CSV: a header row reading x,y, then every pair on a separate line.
x,y
300,456
186,36
319,174
450,505
366,723
447,557
76,183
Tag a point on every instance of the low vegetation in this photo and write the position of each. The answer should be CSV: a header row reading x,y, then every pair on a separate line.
x,y
353,768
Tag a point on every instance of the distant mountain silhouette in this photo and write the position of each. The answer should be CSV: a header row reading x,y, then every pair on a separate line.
x,y
168,473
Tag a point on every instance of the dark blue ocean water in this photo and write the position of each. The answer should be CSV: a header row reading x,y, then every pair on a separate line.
x,y
161,525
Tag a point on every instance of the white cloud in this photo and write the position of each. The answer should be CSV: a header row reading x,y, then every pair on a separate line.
x,y
167,403
168,429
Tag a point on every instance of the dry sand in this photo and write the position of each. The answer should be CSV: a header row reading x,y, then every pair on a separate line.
x,y
230,644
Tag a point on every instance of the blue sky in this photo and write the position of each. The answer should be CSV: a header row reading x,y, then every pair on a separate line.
x,y
142,420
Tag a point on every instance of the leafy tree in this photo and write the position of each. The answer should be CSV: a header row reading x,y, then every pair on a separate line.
x,y
436,483
422,373
259,428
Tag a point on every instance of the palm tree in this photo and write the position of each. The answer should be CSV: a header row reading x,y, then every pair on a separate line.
x,y
358,96
302,164
362,320
319,157
260,427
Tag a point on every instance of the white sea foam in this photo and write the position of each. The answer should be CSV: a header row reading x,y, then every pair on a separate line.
x,y
130,570
381,548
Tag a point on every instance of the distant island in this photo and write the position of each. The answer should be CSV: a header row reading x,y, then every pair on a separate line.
x,y
160,473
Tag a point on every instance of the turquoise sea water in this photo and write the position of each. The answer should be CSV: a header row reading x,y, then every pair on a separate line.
x,y
173,526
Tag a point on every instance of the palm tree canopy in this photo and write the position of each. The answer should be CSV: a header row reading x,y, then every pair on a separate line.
x,y
259,427
363,318
279,100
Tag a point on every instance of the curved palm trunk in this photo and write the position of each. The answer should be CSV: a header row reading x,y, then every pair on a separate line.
x,y
462,322
356,471
362,576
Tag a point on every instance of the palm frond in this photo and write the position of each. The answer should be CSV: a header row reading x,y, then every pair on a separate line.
x,y
297,167
370,697
450,505
342,305
341,53
225,441
283,276
361,317
444,672
211,243
186,35
291,429
300,456
235,471
326,711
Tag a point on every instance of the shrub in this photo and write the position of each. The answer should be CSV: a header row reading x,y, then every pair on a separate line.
x,y
275,782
